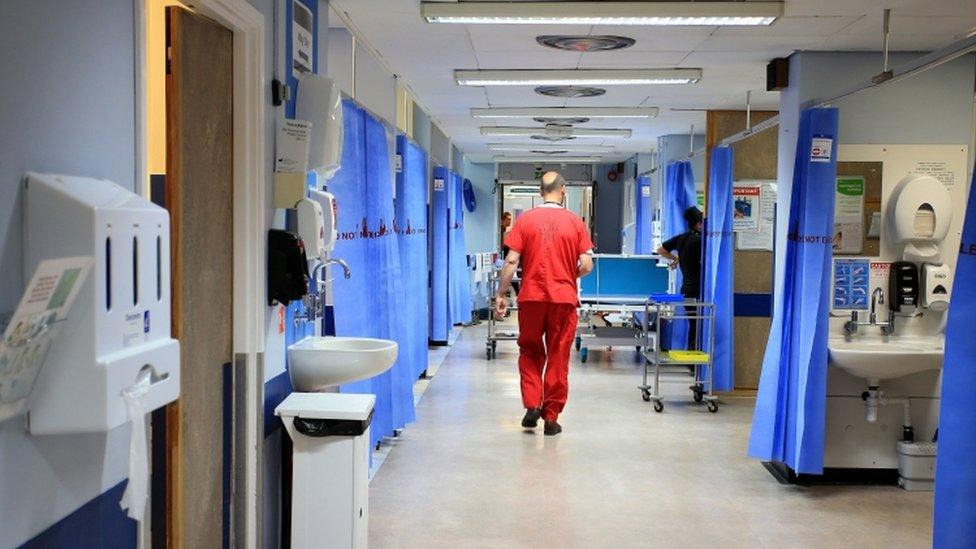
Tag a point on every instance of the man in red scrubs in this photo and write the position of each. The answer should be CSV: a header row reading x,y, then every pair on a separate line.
x,y
554,248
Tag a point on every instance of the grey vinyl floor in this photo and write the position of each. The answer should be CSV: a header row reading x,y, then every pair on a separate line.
x,y
467,475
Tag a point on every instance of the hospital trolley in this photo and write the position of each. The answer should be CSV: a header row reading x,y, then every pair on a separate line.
x,y
699,356
613,296
498,333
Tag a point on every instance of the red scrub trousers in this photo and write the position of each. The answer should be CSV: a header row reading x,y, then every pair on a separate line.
x,y
546,334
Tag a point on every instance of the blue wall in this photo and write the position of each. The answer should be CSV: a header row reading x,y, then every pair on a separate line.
x,y
481,226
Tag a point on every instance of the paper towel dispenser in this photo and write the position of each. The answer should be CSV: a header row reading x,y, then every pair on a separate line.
x,y
118,331
320,102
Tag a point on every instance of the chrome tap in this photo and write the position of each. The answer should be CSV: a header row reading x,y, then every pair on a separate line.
x,y
346,273
877,298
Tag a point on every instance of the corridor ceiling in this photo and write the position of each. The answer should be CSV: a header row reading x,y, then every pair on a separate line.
x,y
733,59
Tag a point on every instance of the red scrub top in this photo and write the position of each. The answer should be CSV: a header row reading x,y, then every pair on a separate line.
x,y
549,241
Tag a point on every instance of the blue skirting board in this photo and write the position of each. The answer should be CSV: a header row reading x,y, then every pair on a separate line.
x,y
98,523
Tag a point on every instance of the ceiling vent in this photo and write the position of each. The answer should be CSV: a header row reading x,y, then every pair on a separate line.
x,y
570,91
561,121
585,43
548,152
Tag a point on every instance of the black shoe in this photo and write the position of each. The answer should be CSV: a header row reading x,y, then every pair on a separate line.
x,y
552,428
531,418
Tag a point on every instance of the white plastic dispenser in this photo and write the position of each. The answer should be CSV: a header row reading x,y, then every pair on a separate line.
x,y
330,215
936,286
319,101
311,227
920,212
117,334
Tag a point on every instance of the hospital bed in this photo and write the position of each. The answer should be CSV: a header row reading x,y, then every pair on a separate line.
x,y
612,300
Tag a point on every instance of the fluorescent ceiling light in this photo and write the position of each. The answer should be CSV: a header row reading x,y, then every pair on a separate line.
x,y
538,147
542,159
564,112
554,131
576,77
709,14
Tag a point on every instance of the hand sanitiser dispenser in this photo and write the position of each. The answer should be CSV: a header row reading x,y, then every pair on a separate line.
x,y
903,287
936,286
117,336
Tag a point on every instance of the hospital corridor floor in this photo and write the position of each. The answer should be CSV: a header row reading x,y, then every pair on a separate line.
x,y
466,474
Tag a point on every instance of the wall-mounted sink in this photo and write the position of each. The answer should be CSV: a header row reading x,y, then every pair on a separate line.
x,y
887,358
317,363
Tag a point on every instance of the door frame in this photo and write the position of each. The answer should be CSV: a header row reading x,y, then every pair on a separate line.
x,y
251,182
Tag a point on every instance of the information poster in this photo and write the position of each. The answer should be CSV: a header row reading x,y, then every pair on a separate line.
x,y
849,215
746,207
852,281
33,326
761,239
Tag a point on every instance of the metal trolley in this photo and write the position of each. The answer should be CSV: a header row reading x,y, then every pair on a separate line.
x,y
700,355
495,334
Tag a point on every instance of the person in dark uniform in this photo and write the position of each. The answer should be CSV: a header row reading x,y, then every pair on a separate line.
x,y
684,251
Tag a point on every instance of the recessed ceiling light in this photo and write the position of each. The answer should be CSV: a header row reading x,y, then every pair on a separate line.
x,y
538,147
585,43
549,159
554,131
564,112
571,92
576,77
709,14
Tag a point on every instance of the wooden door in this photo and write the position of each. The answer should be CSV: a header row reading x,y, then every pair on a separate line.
x,y
199,196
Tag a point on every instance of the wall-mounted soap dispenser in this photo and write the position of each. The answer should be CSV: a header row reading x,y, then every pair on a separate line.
x,y
287,267
118,332
903,287
936,286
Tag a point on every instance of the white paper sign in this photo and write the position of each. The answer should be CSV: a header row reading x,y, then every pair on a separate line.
x,y
746,207
763,238
33,326
820,148
291,146
438,184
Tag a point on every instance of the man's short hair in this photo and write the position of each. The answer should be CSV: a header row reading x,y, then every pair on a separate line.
x,y
693,216
506,214
552,182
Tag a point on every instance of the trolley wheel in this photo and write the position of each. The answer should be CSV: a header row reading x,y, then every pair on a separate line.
x,y
658,406
583,353
712,407
698,394
646,396
579,343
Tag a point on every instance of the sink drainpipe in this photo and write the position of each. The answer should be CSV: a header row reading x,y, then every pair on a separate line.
x,y
874,398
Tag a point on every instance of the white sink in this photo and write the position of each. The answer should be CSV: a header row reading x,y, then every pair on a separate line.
x,y
317,363
887,358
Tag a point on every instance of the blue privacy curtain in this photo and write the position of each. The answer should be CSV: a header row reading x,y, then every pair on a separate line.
x,y
717,265
461,300
364,303
679,195
955,476
643,216
788,425
440,314
411,230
